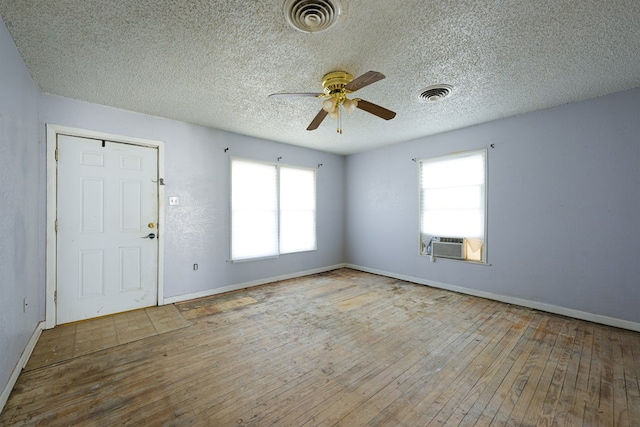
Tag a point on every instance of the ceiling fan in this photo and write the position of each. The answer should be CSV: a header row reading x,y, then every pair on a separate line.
x,y
337,85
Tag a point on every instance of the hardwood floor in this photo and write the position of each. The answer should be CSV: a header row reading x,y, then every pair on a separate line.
x,y
346,348
77,339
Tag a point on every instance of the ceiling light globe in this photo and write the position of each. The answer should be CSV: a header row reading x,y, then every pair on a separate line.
x,y
350,105
329,105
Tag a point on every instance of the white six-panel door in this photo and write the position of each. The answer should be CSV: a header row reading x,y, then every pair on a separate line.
x,y
107,213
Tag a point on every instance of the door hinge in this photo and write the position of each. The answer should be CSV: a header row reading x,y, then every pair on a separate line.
x,y
55,296
56,226
56,154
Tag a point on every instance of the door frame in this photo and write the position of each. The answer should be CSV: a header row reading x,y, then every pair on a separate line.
x,y
52,132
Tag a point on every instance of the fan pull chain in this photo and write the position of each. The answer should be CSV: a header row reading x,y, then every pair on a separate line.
x,y
339,119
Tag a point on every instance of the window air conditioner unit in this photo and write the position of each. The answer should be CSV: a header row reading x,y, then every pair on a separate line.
x,y
448,247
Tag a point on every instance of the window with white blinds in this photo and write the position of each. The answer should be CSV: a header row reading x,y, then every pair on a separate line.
x,y
273,209
452,200
297,210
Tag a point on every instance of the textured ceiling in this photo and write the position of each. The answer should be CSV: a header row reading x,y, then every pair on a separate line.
x,y
213,63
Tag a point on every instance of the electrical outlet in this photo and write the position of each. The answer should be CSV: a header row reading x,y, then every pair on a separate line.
x,y
174,201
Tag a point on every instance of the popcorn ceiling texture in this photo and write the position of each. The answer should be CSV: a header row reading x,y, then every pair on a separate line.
x,y
213,63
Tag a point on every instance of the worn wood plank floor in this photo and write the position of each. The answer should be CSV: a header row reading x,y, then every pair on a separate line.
x,y
346,348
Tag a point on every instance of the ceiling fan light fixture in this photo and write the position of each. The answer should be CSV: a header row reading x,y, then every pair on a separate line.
x,y
350,105
434,93
329,105
313,16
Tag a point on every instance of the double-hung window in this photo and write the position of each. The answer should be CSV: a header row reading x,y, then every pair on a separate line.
x,y
453,205
273,209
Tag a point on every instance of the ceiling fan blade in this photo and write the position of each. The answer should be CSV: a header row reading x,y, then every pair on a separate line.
x,y
295,95
364,80
317,120
376,110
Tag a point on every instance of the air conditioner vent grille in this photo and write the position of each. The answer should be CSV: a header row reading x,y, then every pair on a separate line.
x,y
448,247
451,239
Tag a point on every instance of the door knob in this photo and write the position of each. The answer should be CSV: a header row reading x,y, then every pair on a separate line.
x,y
150,236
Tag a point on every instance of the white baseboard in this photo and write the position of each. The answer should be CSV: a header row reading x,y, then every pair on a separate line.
x,y
216,291
24,358
577,314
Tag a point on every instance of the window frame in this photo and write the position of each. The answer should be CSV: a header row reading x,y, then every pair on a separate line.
x,y
485,252
277,167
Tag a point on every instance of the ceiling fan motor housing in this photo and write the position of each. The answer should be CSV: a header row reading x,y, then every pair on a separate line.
x,y
335,81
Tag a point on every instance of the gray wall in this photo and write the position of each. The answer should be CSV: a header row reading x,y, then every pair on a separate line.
x,y
21,253
563,207
197,171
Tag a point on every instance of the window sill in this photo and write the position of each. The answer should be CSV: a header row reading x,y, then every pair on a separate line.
x,y
239,261
465,261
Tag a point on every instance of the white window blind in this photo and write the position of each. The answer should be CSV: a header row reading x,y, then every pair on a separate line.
x,y
452,196
273,209
297,210
254,210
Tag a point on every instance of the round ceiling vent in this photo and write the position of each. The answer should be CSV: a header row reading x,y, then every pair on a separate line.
x,y
434,93
312,16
